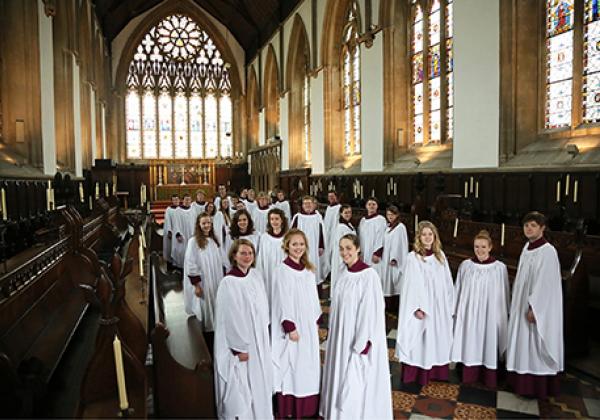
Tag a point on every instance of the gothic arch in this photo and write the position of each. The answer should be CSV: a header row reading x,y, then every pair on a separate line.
x,y
297,70
252,108
271,94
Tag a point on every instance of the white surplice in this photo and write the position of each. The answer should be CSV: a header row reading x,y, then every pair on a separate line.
x,y
536,348
481,314
330,222
296,365
220,226
395,248
243,389
312,226
183,226
285,207
199,208
269,257
355,385
337,264
426,284
168,228
260,219
208,264
371,232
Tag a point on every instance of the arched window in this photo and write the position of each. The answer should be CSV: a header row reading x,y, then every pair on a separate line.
x,y
178,102
351,83
432,67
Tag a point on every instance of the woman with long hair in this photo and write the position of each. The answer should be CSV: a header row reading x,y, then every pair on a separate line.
x,y
222,220
356,374
481,315
203,271
243,364
295,331
242,227
343,227
426,305
371,230
395,251
271,252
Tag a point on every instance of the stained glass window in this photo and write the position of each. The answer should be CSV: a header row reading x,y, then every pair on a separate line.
x,y
431,58
449,71
179,95
559,62
306,117
591,70
351,83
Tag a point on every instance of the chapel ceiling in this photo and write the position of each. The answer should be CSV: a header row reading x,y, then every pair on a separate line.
x,y
252,22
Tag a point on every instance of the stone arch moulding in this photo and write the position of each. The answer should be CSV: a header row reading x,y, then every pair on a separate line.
x,y
189,8
270,93
298,38
252,107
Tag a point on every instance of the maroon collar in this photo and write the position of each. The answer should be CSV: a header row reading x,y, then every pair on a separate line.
x,y
334,204
307,214
245,234
201,203
173,206
293,264
428,253
281,201
184,207
358,266
394,225
485,262
263,208
281,234
236,272
343,222
249,201
371,216
536,244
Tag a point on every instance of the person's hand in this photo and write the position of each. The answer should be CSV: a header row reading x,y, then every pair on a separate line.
x,y
393,263
294,336
375,259
321,250
530,316
198,291
419,314
243,357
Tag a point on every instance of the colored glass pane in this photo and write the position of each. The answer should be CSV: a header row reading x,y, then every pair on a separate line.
x,y
418,98
181,126
592,10
434,94
560,16
165,116
435,132
417,68
225,126
134,149
210,128
149,115
196,126
434,61
591,70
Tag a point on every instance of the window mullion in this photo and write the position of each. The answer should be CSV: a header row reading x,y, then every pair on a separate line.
x,y
578,69
443,74
141,105
426,101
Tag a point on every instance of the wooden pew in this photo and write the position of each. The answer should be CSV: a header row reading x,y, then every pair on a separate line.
x,y
182,368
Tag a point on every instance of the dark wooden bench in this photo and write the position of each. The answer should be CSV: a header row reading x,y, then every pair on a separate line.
x,y
182,366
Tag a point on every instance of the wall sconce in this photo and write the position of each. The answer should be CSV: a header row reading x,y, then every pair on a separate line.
x,y
572,149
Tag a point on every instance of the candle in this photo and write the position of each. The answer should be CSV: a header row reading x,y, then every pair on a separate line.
x,y
90,204
142,195
361,192
52,202
477,189
455,226
143,238
106,190
49,184
141,259
81,195
147,207
373,193
567,184
3,199
123,403
575,185
395,190
387,188
48,199
557,191
502,235
97,191
471,187
466,189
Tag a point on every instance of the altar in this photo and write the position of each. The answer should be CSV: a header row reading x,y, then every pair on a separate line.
x,y
165,191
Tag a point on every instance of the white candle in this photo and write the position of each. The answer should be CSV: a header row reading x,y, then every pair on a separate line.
x,y
455,226
106,191
361,192
49,184
123,403
471,185
97,191
52,202
387,187
567,182
147,207
557,191
395,190
3,199
81,195
416,223
575,185
502,235
141,259
466,189
90,204
48,199
372,193
142,195
477,189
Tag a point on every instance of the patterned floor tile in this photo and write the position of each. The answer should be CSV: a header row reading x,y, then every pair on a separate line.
x,y
441,390
401,415
512,402
473,411
434,407
592,406
403,401
416,416
477,396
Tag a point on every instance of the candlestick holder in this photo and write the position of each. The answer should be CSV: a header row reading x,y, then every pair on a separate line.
x,y
128,412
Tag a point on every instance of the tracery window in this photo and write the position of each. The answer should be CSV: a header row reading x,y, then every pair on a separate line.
x,y
432,71
351,83
178,102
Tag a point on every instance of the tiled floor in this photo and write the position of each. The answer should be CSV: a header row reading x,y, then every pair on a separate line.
x,y
452,400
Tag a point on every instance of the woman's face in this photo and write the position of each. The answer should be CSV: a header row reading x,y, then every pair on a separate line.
x,y
275,221
482,249
205,225
349,252
244,257
347,214
371,207
307,206
224,204
243,223
209,208
391,217
427,237
297,247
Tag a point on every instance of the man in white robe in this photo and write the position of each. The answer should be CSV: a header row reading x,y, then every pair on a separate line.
x,y
330,222
283,204
371,230
535,353
183,230
310,222
168,229
260,213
